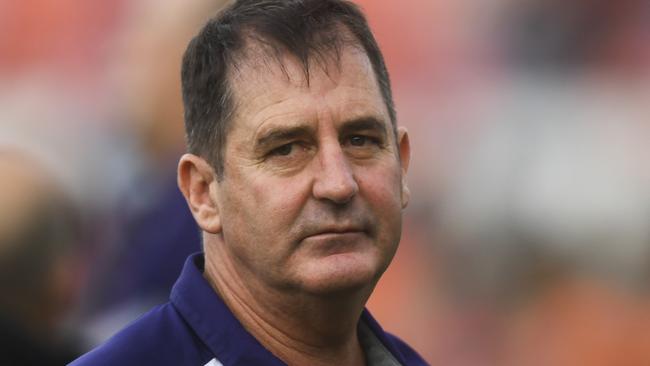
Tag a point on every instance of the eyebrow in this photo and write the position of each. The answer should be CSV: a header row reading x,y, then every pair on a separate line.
x,y
367,123
281,134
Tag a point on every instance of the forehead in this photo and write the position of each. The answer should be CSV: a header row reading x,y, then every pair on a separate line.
x,y
344,84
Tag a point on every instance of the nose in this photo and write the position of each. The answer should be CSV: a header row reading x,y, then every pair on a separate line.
x,y
334,179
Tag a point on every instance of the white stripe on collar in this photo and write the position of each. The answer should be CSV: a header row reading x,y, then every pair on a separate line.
x,y
213,362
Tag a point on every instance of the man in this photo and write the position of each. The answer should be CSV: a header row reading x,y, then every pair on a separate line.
x,y
40,253
296,177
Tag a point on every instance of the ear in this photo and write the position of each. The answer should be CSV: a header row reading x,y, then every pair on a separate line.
x,y
197,181
404,146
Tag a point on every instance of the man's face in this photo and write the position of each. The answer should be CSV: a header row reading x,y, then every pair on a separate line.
x,y
312,191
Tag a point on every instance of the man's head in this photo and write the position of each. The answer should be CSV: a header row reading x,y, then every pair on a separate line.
x,y
308,192
305,29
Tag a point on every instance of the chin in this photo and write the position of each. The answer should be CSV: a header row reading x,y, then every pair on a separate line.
x,y
341,273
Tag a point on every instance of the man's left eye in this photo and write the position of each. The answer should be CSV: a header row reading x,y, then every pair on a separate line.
x,y
358,140
283,150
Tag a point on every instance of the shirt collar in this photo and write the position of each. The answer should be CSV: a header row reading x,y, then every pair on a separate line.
x,y
223,334
213,322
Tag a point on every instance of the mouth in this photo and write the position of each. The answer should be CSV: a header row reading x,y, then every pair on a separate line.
x,y
334,232
332,242
337,235
335,239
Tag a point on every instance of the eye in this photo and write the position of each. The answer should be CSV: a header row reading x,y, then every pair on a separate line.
x,y
283,150
358,140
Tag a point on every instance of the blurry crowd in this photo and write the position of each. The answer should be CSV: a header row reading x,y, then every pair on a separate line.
x,y
527,241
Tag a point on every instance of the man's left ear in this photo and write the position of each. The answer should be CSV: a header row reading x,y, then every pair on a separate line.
x,y
404,146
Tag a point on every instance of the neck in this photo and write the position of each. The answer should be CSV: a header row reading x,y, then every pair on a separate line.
x,y
299,328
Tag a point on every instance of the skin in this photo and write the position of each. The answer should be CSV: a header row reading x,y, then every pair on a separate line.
x,y
308,214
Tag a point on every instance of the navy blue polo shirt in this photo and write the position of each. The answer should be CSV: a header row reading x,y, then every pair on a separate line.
x,y
196,328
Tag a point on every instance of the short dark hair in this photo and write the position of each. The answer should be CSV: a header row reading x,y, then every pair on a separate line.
x,y
302,28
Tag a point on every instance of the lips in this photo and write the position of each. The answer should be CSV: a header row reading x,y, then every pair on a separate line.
x,y
334,231
339,231
327,243
321,226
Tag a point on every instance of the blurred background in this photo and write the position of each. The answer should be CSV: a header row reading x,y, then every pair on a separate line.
x,y
527,240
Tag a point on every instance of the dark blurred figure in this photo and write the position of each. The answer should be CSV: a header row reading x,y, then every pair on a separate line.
x,y
39,267
156,231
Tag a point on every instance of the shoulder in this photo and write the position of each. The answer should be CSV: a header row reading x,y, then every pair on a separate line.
x,y
410,356
402,351
159,337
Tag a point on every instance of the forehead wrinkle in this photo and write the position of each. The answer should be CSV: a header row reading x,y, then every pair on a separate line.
x,y
266,58
259,58
246,100
288,122
252,74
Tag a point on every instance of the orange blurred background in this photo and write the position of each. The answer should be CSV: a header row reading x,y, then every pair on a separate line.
x,y
527,241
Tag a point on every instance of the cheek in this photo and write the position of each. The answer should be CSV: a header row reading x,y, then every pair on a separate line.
x,y
279,201
381,187
382,193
